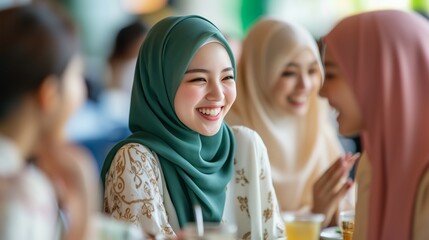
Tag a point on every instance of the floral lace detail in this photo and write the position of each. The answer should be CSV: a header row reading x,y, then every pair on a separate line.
x,y
241,178
247,236
243,205
268,212
262,174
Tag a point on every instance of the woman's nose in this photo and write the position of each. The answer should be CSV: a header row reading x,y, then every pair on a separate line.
x,y
304,82
215,92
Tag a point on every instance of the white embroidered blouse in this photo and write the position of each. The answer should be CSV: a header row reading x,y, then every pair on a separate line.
x,y
136,192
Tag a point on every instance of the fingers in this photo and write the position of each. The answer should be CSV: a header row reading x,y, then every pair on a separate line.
x,y
343,190
332,177
330,188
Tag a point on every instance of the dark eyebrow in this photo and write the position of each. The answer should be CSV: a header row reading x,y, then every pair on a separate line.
x,y
195,70
228,69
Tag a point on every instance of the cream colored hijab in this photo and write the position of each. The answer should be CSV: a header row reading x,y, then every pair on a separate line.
x,y
300,148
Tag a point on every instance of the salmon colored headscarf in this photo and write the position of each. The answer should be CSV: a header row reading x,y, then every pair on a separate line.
x,y
385,58
300,148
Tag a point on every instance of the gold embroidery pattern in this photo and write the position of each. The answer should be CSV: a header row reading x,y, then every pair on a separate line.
x,y
134,180
116,203
262,174
128,215
241,178
106,206
138,165
265,234
247,236
268,213
167,230
119,185
147,209
244,204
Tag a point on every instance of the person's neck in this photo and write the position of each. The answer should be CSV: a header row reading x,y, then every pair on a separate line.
x,y
22,132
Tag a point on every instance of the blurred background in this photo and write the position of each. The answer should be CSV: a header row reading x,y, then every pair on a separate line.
x,y
110,39
100,20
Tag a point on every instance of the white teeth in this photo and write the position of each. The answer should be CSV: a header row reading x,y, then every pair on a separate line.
x,y
210,111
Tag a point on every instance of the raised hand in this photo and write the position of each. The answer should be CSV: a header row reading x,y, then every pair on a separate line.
x,y
332,186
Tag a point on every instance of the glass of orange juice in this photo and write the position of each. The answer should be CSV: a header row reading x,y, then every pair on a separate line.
x,y
302,226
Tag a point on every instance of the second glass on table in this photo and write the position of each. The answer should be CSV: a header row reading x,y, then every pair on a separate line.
x,y
347,224
303,226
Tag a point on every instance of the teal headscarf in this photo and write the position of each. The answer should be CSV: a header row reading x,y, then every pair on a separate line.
x,y
196,168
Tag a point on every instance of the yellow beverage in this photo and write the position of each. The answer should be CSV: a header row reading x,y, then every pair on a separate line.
x,y
347,229
347,220
302,230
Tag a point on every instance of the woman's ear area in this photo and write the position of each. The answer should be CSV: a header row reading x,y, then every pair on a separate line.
x,y
48,94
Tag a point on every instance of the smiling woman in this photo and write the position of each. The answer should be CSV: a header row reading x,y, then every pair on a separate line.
x,y
279,75
181,152
340,96
377,83
207,90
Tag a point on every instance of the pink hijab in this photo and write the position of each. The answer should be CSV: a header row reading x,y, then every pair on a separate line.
x,y
385,57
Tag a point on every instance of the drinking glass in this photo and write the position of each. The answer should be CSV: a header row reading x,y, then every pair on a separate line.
x,y
347,224
302,226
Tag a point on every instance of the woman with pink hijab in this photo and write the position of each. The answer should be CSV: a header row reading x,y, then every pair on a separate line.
x,y
377,77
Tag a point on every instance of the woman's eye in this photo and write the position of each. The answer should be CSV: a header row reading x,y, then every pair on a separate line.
x,y
312,71
288,74
230,77
329,76
198,80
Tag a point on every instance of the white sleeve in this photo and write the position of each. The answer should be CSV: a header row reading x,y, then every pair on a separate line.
x,y
133,191
256,207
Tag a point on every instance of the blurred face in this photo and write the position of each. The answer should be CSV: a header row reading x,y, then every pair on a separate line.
x,y
207,90
297,82
73,92
340,96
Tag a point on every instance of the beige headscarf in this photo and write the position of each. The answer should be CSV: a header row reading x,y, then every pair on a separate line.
x,y
300,148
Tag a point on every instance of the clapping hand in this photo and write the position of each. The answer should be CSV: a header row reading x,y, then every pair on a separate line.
x,y
332,186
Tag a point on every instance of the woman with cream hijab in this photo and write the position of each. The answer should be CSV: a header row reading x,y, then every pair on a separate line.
x,y
378,63
278,78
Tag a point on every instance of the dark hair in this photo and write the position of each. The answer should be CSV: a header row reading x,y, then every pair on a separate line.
x,y
36,41
126,36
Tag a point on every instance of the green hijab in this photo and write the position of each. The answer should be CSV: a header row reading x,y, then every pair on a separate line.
x,y
196,168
